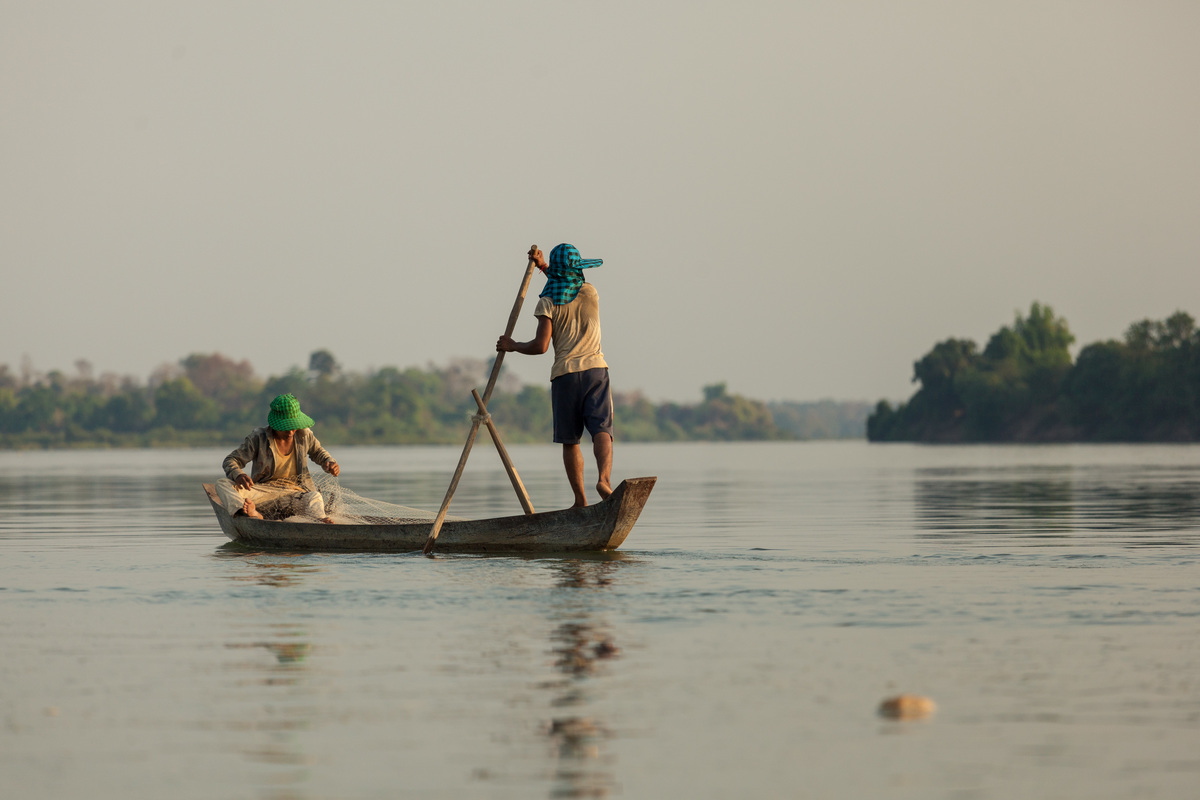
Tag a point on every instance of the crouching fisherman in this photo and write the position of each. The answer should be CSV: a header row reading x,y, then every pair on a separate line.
x,y
280,453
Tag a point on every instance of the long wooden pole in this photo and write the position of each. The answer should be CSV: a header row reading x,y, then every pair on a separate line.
x,y
478,418
522,495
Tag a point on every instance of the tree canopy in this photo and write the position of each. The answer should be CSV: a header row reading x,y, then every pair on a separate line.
x,y
1024,386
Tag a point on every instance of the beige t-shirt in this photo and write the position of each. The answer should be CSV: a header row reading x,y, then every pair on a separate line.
x,y
576,331
285,466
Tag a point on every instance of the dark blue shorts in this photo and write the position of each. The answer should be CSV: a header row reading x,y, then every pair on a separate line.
x,y
581,400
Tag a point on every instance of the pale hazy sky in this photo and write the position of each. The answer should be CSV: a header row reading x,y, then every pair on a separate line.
x,y
797,198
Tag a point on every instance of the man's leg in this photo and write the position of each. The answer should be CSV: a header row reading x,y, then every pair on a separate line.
x,y
568,425
314,506
602,449
596,408
231,497
573,461
234,498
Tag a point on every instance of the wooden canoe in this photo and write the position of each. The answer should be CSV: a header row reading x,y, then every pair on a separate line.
x,y
602,526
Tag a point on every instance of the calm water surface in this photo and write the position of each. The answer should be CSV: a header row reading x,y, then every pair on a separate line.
x,y
1048,598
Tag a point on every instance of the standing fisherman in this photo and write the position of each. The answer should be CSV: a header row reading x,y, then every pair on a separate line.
x,y
568,314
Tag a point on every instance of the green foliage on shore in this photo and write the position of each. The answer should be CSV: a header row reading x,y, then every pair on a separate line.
x,y
211,400
1024,387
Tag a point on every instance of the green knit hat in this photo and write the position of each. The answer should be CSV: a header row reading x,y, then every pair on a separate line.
x,y
285,414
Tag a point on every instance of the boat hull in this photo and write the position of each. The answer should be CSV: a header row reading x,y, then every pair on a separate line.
x,y
602,526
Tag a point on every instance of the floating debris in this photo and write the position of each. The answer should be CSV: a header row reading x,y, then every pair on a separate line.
x,y
907,706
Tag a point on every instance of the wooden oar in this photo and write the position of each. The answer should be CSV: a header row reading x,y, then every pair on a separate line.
x,y
482,415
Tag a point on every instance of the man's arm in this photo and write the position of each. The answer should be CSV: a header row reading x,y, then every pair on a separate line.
x,y
239,458
321,456
539,344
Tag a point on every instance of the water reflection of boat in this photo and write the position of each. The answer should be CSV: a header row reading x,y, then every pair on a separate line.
x,y
602,526
583,646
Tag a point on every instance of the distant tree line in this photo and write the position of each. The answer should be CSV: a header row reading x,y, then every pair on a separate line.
x,y
823,419
1025,387
209,399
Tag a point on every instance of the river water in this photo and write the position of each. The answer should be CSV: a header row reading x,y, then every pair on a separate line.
x,y
738,645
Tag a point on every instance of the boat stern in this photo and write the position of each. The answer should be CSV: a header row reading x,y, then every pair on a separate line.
x,y
633,495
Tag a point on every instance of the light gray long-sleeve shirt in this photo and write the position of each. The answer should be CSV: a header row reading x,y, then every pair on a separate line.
x,y
257,448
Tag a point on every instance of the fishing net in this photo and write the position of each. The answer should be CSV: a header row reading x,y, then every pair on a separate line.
x,y
350,508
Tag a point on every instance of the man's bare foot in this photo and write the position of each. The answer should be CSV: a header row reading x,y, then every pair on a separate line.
x,y
604,490
249,509
327,520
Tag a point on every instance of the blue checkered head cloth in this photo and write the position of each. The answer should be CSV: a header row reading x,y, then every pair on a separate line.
x,y
564,274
